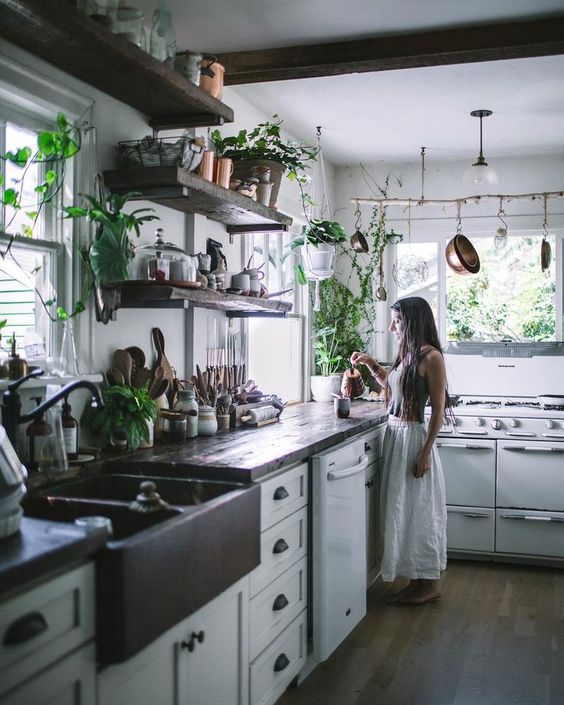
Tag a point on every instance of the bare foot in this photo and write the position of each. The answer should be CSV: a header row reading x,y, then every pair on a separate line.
x,y
425,591
401,594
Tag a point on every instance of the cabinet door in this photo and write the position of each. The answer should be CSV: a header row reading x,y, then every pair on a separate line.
x,y
215,653
70,681
372,518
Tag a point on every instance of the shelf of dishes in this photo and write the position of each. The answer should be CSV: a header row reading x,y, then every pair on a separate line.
x,y
146,294
187,192
64,37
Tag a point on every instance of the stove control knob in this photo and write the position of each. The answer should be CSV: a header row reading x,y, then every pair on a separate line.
x,y
549,424
514,423
479,421
496,424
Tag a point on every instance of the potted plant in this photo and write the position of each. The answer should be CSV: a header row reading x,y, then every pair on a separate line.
x,y
125,416
264,147
318,239
327,380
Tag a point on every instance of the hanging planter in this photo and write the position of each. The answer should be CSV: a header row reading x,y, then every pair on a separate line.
x,y
318,241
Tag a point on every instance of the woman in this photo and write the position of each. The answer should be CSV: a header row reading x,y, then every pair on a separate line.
x,y
413,509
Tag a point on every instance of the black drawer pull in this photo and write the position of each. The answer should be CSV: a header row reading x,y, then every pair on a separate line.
x,y
280,602
369,484
280,493
281,663
280,546
25,628
367,447
191,644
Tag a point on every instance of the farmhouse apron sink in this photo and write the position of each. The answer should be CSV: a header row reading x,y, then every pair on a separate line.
x,y
159,567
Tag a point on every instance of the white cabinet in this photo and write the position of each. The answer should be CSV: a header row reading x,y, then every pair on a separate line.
x,y
41,630
202,660
373,444
278,623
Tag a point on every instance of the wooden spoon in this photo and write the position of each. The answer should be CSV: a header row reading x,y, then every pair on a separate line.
x,y
155,381
158,340
140,377
114,376
122,361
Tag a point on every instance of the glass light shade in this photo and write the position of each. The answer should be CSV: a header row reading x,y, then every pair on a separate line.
x,y
480,175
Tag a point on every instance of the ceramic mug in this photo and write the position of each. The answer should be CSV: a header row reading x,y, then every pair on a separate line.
x,y
205,170
241,281
223,171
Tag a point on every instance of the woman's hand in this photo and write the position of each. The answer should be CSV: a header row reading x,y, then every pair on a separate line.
x,y
358,358
422,464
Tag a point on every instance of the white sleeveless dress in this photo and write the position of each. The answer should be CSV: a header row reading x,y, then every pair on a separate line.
x,y
413,514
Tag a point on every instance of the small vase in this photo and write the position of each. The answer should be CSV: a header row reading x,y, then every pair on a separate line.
x,y
207,422
67,363
223,421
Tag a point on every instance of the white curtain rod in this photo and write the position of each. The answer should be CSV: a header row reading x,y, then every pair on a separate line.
x,y
502,198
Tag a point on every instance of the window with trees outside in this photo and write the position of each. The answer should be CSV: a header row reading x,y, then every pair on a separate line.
x,y
509,299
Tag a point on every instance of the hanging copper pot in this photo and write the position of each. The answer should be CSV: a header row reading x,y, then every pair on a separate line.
x,y
461,256
546,254
358,242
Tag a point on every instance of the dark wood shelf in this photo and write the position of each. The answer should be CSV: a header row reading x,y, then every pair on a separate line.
x,y
135,294
189,193
56,32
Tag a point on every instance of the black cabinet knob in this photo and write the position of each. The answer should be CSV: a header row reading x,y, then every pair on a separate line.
x,y
25,628
280,493
281,663
280,546
280,602
191,643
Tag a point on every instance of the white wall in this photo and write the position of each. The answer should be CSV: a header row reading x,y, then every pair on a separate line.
x,y
185,333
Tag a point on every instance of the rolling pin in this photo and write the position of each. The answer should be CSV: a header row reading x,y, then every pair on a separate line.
x,y
264,413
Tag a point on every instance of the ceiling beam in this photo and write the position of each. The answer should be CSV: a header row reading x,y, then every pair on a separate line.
x,y
459,45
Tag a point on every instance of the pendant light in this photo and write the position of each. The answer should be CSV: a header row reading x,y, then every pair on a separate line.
x,y
480,174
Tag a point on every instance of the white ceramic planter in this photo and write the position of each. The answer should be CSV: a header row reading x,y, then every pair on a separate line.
x,y
319,260
321,387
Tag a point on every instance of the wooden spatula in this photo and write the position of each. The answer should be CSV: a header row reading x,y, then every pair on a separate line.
x,y
158,340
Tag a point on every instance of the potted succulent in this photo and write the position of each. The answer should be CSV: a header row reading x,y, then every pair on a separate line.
x,y
318,241
328,381
264,147
125,416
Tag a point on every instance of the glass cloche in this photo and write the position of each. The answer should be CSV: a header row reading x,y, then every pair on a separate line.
x,y
162,262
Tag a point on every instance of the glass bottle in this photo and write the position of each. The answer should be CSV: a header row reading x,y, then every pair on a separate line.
x,y
67,365
70,431
37,433
162,42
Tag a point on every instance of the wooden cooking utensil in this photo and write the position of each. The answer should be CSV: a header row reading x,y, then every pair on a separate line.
x,y
122,361
158,340
140,377
155,381
114,376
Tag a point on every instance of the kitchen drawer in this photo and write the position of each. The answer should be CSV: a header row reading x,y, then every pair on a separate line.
x,y
530,474
469,471
276,606
70,681
282,495
277,666
45,623
280,546
470,528
530,533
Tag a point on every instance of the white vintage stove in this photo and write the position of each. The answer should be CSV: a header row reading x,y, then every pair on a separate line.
x,y
503,454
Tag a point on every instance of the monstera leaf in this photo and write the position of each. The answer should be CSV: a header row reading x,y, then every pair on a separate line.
x,y
110,254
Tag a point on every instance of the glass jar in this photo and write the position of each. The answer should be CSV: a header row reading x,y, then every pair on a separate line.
x,y
161,262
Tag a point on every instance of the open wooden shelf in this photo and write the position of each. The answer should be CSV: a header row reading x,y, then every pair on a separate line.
x,y
137,294
189,193
56,32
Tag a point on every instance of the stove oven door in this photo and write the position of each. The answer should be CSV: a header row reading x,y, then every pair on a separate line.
x,y
530,492
469,471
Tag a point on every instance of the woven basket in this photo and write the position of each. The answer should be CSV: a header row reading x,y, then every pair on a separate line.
x,y
184,152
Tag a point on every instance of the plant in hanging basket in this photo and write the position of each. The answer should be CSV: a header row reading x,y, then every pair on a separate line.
x,y
318,239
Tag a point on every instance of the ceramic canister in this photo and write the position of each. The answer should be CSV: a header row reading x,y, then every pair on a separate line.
x,y
186,402
207,422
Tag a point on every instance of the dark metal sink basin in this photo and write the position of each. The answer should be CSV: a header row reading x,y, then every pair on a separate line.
x,y
158,568
124,488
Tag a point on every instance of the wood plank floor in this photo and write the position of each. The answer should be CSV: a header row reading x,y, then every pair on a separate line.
x,y
495,638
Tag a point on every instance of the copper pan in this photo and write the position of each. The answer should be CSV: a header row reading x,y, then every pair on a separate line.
x,y
461,255
546,254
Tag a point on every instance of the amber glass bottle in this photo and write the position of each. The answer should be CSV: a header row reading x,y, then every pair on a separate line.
x,y
70,431
37,432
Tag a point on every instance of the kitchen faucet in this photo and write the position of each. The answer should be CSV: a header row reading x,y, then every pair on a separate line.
x,y
11,403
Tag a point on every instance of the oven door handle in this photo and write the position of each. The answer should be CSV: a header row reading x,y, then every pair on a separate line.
x,y
552,435
526,517
474,433
464,446
534,449
520,434
348,472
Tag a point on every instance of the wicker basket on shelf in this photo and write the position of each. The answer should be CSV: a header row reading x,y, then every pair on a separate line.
x,y
185,152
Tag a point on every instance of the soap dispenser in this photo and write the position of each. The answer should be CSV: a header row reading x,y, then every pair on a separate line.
x,y
70,431
37,432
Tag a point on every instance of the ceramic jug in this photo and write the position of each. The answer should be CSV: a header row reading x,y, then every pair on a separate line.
x,y
207,422
186,402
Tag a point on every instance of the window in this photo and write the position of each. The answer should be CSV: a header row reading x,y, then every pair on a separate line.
x,y
276,345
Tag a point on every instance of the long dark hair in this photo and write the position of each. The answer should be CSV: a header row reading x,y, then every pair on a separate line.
x,y
419,329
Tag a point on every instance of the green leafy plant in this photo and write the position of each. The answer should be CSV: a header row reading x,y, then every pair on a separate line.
x,y
126,412
265,142
317,231
325,350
